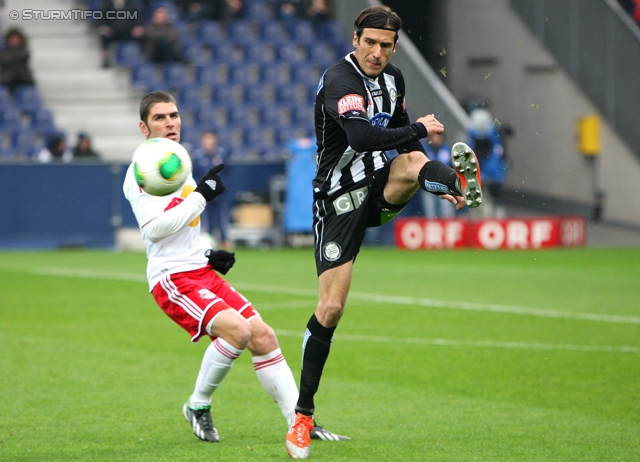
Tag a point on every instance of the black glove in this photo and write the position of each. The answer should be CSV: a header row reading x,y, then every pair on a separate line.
x,y
211,186
220,260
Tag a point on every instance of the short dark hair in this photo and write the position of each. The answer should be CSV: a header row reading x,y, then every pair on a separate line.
x,y
378,17
152,98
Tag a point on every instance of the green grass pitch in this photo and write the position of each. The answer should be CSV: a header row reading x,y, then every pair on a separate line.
x,y
441,356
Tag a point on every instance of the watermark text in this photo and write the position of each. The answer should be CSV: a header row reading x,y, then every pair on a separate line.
x,y
66,15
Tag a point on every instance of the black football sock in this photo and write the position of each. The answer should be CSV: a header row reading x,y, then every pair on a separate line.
x,y
438,178
315,351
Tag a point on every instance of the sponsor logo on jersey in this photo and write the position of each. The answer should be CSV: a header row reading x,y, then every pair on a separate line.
x,y
331,251
350,201
381,119
377,92
351,102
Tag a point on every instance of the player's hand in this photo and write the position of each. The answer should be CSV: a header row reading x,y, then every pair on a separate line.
x,y
431,124
220,260
458,201
211,185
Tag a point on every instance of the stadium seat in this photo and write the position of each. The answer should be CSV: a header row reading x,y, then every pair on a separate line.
x,y
331,32
291,53
211,74
42,120
257,11
244,73
242,32
227,53
276,73
275,116
175,76
263,137
227,94
259,52
321,54
11,118
144,76
210,33
211,117
273,32
305,75
191,97
25,142
293,94
301,31
27,98
195,53
128,53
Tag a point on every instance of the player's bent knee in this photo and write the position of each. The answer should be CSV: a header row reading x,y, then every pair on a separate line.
x,y
263,338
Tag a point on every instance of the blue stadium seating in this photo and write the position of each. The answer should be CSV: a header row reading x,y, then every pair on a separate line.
x,y
301,31
144,76
128,53
211,33
273,32
27,98
211,74
242,32
176,76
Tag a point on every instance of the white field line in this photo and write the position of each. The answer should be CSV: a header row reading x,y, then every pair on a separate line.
x,y
367,297
133,277
469,343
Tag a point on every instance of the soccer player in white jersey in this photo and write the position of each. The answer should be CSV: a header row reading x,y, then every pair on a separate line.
x,y
184,282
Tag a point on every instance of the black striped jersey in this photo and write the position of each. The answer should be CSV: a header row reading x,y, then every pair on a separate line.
x,y
357,119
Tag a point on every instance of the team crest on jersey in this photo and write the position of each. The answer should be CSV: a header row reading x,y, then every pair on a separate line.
x,y
393,95
381,119
352,102
206,294
332,251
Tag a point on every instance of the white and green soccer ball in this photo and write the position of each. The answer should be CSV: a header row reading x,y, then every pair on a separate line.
x,y
161,166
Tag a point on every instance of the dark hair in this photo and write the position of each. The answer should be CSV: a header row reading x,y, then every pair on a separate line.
x,y
14,31
152,98
378,17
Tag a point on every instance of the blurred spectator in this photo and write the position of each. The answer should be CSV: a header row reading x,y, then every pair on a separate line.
x,y
116,30
197,10
217,214
56,150
83,149
318,12
230,10
287,10
14,61
432,205
484,139
161,38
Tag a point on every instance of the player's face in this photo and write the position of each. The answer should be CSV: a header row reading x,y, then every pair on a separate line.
x,y
163,122
374,49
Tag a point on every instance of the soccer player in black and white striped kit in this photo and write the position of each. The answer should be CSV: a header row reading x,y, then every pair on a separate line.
x,y
360,113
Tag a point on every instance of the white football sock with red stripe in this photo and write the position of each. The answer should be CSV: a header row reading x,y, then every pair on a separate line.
x,y
276,377
216,364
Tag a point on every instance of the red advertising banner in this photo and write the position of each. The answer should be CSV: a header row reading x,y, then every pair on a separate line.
x,y
508,233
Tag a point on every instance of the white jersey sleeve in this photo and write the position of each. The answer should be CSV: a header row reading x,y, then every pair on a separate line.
x,y
170,227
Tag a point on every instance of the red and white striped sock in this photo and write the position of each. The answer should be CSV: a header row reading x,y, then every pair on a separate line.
x,y
277,379
216,364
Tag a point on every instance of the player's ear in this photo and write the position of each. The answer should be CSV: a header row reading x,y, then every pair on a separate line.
x,y
355,39
144,129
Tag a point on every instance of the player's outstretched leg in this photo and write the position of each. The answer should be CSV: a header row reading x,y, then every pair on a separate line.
x,y
298,436
465,163
318,432
201,422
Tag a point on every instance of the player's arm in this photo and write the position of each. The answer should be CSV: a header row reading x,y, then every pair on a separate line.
x,y
174,219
